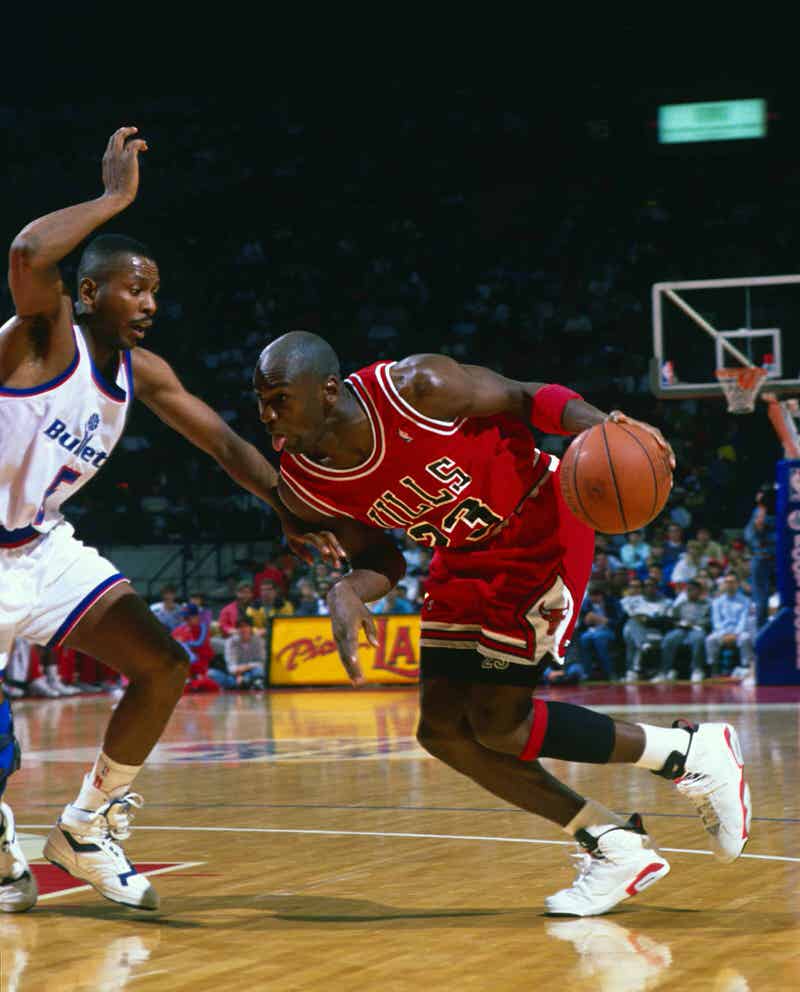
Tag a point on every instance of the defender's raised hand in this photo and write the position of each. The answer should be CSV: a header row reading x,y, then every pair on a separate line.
x,y
121,164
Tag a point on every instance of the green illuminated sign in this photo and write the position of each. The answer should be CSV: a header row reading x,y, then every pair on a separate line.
x,y
723,120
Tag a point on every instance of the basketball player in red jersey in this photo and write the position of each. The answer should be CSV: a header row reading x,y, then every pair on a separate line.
x,y
446,452
62,375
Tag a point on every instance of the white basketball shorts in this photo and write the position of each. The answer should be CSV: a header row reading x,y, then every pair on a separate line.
x,y
46,586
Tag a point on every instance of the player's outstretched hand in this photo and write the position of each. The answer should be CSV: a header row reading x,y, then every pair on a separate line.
x,y
618,417
121,164
349,616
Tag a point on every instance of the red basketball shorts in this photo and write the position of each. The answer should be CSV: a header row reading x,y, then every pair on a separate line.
x,y
516,598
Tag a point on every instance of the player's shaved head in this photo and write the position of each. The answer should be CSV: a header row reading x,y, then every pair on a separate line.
x,y
297,354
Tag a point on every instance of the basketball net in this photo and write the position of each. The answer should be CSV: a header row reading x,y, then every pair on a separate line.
x,y
740,386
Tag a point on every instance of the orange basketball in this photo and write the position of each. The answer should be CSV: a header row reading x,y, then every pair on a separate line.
x,y
615,477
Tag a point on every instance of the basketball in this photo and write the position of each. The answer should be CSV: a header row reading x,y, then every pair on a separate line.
x,y
615,477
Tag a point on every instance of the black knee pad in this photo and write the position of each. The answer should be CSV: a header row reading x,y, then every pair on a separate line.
x,y
575,733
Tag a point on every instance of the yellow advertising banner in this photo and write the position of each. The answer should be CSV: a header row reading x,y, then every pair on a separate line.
x,y
303,652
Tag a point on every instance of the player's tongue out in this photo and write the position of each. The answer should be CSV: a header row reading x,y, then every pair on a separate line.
x,y
278,441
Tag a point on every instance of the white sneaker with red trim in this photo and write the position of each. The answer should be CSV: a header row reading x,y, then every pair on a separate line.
x,y
713,781
615,863
86,844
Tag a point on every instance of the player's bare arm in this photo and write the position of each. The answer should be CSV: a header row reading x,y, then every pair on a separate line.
x,y
37,343
444,389
376,567
160,389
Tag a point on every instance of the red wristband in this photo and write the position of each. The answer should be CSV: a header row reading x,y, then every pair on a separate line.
x,y
547,407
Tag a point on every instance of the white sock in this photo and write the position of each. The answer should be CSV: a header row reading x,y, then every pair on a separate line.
x,y
592,814
659,743
108,779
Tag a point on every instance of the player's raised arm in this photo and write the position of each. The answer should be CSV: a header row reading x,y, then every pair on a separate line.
x,y
33,273
159,388
376,567
443,389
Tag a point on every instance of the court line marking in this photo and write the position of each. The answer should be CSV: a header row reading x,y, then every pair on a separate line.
x,y
89,888
388,833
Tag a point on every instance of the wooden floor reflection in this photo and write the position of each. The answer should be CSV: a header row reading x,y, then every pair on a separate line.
x,y
303,842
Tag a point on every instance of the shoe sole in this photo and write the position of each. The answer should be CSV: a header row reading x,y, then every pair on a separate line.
x,y
648,875
52,854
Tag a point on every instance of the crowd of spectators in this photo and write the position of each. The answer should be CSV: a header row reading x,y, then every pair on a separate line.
x,y
225,635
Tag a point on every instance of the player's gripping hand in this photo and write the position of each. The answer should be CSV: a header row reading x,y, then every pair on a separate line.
x,y
349,616
121,164
303,541
618,417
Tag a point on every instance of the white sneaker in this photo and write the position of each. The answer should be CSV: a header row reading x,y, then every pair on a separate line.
x,y
615,864
18,890
39,687
85,845
55,683
712,779
697,676
631,676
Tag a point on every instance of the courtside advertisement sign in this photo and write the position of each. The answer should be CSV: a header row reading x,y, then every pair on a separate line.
x,y
303,652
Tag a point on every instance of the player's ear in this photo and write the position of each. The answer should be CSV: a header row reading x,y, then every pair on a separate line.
x,y
87,295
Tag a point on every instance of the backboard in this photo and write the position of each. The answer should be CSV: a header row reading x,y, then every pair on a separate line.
x,y
700,325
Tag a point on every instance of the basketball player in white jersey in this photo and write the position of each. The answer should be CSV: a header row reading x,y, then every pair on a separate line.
x,y
66,384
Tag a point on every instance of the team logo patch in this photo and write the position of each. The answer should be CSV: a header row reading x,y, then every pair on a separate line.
x,y
92,423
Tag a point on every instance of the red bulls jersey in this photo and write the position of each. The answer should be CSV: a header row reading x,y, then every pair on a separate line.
x,y
448,484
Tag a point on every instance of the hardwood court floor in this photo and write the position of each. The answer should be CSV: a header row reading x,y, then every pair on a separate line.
x,y
305,843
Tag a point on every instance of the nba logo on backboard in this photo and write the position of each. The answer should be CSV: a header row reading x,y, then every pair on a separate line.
x,y
794,484
667,373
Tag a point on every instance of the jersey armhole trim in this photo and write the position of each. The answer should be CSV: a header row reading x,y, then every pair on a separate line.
x,y
53,383
312,501
384,379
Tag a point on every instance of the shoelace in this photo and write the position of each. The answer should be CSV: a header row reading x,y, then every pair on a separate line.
x,y
114,818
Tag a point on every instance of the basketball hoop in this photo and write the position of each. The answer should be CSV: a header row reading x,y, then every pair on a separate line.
x,y
740,386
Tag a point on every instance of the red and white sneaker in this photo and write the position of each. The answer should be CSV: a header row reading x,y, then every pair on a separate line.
x,y
615,863
712,779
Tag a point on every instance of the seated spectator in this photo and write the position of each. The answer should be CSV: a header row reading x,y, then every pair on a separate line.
x,y
272,602
245,657
193,634
731,626
672,548
635,551
395,601
168,611
274,574
199,600
648,617
656,573
687,566
241,607
691,612
708,547
307,604
600,614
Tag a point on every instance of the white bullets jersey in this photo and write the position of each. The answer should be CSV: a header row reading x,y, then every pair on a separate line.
x,y
54,438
